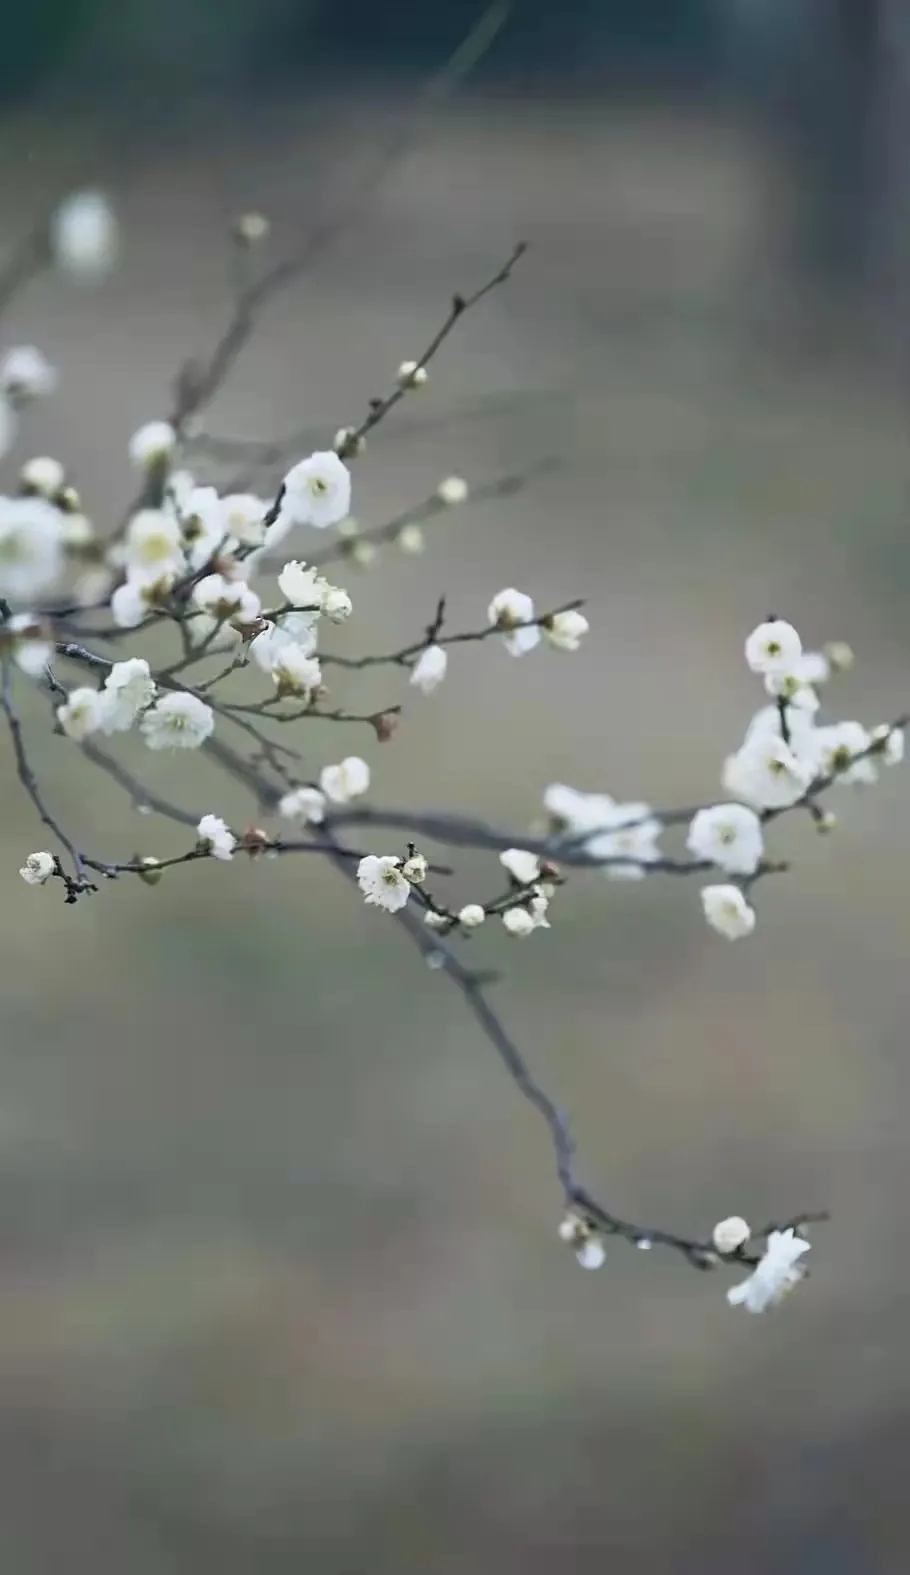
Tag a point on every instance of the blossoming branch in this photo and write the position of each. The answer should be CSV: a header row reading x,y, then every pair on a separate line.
x,y
235,580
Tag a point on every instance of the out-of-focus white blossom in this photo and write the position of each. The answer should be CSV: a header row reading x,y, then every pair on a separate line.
x,y
891,744
76,530
177,721
349,779
840,655
27,642
203,526
521,865
773,647
43,475
222,598
31,556
434,920
244,516
381,880
84,236
512,612
82,713
591,1254
152,443
471,915
138,596
216,837
728,835
730,1234
430,669
317,491
410,539
153,544
452,491
727,911
303,803
295,673
38,868
627,833
128,688
778,1271
766,772
412,375
566,629
25,373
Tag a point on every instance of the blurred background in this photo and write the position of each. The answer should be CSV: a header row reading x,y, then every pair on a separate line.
x,y
279,1278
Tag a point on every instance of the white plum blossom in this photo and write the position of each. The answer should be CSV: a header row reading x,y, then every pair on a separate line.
x,y
177,721
30,547
349,779
300,587
382,882
244,517
203,525
138,596
28,643
836,749
336,603
295,673
415,869
154,544
471,916
566,629
730,1234
625,833
791,687
452,490
222,598
766,772
43,475
632,846
266,648
728,835
303,803
524,867
778,1271
84,236
38,868
25,373
512,612
773,647
589,1248
152,444
727,911
591,1254
429,670
82,713
410,539
216,837
890,744
317,491
128,688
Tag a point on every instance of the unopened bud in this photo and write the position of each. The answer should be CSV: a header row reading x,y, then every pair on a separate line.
x,y
251,228
412,375
384,725
150,871
410,539
730,1234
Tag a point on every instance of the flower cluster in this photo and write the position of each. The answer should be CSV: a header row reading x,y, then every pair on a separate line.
x,y
259,644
